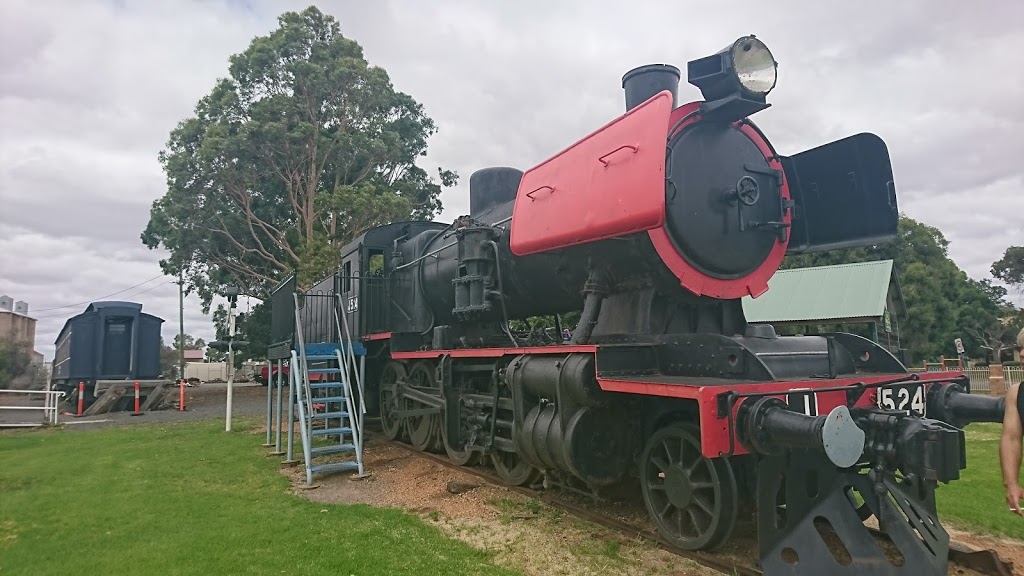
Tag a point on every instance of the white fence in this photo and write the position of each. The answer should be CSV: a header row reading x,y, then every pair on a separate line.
x,y
22,400
980,378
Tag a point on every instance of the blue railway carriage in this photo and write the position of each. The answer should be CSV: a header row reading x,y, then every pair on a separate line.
x,y
108,341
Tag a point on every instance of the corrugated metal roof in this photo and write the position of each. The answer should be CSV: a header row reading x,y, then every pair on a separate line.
x,y
823,293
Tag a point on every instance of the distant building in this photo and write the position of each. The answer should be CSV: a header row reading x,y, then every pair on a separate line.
x,y
195,355
17,326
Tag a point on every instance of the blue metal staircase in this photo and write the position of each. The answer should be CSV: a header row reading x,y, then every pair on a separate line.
x,y
331,419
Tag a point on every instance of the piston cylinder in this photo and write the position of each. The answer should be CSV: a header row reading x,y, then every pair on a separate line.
x,y
568,425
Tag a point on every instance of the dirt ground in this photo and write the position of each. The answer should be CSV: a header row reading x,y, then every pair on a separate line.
x,y
519,531
527,534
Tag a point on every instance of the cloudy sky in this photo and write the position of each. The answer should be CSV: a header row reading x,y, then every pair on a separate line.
x,y
90,89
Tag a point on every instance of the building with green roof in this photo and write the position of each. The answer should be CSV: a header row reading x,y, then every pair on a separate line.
x,y
864,293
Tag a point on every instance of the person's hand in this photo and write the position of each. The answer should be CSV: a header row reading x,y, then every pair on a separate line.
x,y
1014,496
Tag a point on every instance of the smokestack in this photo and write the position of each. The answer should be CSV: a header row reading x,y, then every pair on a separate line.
x,y
489,187
644,82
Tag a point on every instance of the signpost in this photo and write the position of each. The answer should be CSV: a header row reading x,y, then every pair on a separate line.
x,y
959,345
230,345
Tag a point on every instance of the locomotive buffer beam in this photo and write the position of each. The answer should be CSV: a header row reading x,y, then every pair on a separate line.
x,y
813,493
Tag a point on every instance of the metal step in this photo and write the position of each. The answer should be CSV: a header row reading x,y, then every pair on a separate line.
x,y
334,467
323,385
320,400
328,415
320,357
331,431
324,371
336,449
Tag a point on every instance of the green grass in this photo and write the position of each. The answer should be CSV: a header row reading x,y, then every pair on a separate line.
x,y
191,499
977,501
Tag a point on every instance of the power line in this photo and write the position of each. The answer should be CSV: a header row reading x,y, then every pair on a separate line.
x,y
99,297
151,288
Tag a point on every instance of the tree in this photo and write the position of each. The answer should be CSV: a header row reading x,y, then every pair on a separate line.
x,y
941,301
170,356
1000,333
14,360
300,149
1010,268
253,326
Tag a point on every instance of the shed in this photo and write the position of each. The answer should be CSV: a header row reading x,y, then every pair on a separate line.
x,y
864,293
198,355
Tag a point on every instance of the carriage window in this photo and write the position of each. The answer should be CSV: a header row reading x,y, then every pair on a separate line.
x,y
346,276
376,263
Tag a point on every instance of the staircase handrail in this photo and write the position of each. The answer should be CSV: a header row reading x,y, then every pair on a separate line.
x,y
347,362
304,377
352,359
304,420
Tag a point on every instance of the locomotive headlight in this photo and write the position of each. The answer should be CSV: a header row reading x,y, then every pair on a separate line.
x,y
754,65
735,80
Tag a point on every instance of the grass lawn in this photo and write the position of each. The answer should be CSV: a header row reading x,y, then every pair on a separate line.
x,y
191,499
977,501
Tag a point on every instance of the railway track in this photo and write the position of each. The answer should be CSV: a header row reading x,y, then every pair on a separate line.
x,y
986,562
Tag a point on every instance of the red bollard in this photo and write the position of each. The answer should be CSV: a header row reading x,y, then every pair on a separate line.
x,y
81,398
181,396
137,411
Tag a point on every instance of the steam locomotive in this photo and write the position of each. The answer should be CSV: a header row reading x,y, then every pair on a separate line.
x,y
654,227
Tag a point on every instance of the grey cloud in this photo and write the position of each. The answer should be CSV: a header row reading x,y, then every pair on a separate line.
x,y
90,89
55,272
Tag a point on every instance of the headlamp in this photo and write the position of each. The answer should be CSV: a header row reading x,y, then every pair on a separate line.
x,y
735,80
754,66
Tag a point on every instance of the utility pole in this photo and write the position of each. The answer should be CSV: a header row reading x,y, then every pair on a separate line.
x,y
181,326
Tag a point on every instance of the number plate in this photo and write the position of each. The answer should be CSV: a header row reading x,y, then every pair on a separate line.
x,y
904,397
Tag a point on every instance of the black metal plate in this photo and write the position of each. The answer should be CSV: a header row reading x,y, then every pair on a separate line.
x,y
844,193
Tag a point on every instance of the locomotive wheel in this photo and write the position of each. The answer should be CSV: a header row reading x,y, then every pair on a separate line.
x,y
392,373
424,431
513,469
456,455
692,499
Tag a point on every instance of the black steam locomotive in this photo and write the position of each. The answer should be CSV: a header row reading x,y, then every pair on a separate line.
x,y
654,227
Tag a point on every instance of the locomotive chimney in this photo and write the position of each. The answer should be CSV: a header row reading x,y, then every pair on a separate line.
x,y
644,82
489,187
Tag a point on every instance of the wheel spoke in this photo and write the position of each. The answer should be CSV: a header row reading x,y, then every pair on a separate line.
x,y
661,464
668,453
703,505
693,521
664,511
693,465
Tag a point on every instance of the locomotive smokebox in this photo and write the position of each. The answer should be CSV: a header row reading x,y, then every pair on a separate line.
x,y
644,82
492,186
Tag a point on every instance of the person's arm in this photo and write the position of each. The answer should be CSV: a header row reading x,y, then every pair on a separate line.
x,y
1010,451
